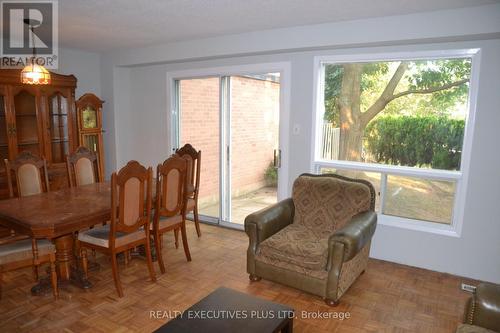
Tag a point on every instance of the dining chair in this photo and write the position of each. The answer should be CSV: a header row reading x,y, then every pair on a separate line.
x,y
30,173
131,192
170,204
193,177
82,167
18,252
31,177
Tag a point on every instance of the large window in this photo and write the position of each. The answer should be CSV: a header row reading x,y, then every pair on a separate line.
x,y
401,124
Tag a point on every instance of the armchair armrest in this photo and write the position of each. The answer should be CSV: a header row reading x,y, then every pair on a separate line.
x,y
483,308
355,234
268,221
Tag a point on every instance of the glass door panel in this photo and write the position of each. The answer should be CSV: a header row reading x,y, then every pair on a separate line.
x,y
26,122
199,119
58,122
254,139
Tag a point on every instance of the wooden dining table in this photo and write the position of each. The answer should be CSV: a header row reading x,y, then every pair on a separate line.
x,y
57,216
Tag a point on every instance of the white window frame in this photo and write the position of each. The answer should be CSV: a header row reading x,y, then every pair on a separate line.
x,y
460,177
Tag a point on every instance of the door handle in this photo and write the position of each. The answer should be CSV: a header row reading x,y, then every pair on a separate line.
x,y
277,158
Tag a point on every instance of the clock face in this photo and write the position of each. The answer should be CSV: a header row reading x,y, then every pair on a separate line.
x,y
89,116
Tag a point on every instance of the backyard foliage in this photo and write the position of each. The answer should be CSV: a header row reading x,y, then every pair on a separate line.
x,y
356,93
434,141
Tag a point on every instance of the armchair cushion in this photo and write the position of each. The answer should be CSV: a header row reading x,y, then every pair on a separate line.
x,y
325,204
298,246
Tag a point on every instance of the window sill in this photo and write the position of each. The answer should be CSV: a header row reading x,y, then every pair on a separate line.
x,y
418,225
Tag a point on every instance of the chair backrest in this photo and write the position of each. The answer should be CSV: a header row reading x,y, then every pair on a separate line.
x,y
131,191
171,187
30,174
82,167
194,166
325,203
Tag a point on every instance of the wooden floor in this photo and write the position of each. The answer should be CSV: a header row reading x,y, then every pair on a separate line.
x,y
387,298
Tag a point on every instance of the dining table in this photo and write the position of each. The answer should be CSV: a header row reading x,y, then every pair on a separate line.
x,y
57,216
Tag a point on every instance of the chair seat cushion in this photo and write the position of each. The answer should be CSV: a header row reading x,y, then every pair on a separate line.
x,y
167,222
22,250
298,246
100,236
466,328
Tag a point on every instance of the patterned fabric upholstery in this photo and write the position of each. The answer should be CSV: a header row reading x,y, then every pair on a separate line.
x,y
325,204
21,250
352,269
296,245
322,205
466,328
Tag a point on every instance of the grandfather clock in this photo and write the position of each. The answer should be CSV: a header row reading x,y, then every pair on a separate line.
x,y
89,110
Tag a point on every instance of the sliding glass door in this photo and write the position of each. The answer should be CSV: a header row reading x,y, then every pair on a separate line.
x,y
234,121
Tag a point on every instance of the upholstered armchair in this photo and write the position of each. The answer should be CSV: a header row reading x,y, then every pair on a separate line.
x,y
482,312
317,241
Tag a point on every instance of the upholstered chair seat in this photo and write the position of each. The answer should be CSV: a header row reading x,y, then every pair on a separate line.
x,y
167,222
296,248
22,250
100,236
318,240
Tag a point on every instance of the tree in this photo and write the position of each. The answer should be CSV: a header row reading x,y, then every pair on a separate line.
x,y
345,84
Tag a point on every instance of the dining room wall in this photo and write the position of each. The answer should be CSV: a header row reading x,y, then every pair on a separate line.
x,y
85,66
135,87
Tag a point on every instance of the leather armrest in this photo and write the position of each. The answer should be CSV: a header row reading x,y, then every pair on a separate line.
x,y
268,221
355,234
483,309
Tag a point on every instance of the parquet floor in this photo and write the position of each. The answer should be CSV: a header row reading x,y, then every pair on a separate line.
x,y
387,298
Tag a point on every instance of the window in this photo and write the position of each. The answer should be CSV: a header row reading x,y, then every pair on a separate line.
x,y
399,121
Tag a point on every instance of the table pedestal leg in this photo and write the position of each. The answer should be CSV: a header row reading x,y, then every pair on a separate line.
x,y
67,268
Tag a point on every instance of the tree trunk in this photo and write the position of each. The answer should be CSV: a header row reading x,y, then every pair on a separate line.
x,y
351,130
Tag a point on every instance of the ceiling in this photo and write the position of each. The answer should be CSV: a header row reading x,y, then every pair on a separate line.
x,y
103,25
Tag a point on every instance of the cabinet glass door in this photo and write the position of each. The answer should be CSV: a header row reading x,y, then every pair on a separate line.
x,y
26,122
58,126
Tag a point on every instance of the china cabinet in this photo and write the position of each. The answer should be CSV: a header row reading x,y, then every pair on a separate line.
x,y
41,119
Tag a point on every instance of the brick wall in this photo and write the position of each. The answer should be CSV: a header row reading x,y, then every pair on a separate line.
x,y
254,130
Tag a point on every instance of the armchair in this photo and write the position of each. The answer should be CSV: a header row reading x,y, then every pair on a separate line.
x,y
317,241
482,312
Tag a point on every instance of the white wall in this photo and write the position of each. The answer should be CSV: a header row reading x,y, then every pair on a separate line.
x,y
86,66
136,113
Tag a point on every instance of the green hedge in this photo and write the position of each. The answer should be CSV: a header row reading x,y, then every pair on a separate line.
x,y
416,141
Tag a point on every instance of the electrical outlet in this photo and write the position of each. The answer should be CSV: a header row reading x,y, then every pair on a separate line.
x,y
468,287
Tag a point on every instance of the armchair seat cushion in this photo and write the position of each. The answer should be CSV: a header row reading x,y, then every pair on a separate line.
x,y
100,236
465,328
21,250
295,246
